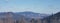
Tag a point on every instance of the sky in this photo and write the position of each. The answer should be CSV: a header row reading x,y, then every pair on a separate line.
x,y
38,6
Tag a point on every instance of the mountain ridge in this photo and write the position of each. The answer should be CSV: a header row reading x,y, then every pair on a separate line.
x,y
25,14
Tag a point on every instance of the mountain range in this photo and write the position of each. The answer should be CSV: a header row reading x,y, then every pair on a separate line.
x,y
27,15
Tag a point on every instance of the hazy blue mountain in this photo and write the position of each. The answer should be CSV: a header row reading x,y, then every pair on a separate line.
x,y
27,15
32,14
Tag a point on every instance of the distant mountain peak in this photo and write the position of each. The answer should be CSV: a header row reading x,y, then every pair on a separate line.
x,y
26,14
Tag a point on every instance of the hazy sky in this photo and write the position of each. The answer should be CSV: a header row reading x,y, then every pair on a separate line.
x,y
39,6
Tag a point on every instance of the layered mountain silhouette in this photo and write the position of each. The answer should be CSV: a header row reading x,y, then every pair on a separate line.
x,y
31,16
27,15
